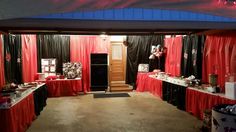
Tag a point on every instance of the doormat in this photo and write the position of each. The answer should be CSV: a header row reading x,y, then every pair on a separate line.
x,y
108,95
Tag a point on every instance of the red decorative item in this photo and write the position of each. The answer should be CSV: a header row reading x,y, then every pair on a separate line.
x,y
51,78
61,76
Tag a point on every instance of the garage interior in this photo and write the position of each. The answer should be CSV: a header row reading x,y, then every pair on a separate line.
x,y
117,24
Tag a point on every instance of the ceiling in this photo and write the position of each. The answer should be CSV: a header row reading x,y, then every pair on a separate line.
x,y
62,26
27,8
18,17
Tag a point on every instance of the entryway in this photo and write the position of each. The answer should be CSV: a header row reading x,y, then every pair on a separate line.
x,y
117,67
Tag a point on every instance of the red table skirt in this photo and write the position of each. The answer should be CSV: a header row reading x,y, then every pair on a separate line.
x,y
197,102
19,117
145,83
57,88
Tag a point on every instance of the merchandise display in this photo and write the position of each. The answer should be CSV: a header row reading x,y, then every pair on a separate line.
x,y
72,70
13,93
48,66
143,68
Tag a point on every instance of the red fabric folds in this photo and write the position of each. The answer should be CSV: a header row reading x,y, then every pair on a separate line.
x,y
29,57
141,82
219,57
59,88
145,83
80,49
198,101
2,77
19,117
173,56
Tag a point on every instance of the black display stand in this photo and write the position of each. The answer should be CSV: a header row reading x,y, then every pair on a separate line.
x,y
99,72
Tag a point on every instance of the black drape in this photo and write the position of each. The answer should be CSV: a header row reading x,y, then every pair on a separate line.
x,y
191,63
186,66
138,51
174,94
53,46
13,59
40,99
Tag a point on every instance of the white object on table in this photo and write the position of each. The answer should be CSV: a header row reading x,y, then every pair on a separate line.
x,y
230,90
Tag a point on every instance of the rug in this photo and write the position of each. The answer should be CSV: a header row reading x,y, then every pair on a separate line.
x,y
110,95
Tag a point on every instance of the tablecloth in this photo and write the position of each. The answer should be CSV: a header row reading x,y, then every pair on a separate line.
x,y
198,101
19,117
58,88
148,84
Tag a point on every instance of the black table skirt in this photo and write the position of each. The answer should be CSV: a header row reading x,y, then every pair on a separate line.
x,y
174,94
40,99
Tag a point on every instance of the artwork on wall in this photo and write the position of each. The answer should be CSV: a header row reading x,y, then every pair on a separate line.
x,y
72,70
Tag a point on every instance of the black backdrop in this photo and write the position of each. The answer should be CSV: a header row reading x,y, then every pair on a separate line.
x,y
138,51
53,46
13,59
191,63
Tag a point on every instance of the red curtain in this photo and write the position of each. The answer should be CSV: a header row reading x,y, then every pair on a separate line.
x,y
29,57
173,55
80,49
219,58
2,77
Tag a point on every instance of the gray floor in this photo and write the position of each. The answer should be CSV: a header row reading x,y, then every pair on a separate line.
x,y
141,112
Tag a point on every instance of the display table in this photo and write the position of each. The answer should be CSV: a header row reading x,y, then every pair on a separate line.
x,y
141,82
174,94
40,98
63,87
169,89
145,83
198,100
19,116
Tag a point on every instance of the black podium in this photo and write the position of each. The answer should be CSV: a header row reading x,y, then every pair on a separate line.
x,y
99,72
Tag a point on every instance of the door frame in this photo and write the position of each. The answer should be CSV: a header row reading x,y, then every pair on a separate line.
x,y
124,55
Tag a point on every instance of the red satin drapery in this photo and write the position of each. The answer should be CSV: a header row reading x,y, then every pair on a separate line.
x,y
2,77
173,56
80,49
219,57
29,57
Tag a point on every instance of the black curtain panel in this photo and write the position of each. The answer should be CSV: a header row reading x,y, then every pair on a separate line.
x,y
13,58
138,52
197,54
186,60
192,51
53,46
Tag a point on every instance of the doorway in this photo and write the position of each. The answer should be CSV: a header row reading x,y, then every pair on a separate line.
x,y
117,70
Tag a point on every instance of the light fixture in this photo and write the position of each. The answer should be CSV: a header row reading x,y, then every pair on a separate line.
x,y
103,35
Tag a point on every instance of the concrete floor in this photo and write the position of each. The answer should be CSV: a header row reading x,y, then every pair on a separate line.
x,y
142,112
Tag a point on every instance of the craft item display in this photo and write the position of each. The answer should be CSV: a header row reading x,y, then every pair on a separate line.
x,y
72,70
143,68
48,66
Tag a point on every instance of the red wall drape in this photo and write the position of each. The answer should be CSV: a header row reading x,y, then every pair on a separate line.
x,y
219,58
173,55
80,49
2,77
29,57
